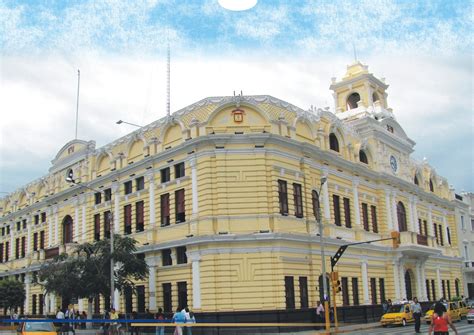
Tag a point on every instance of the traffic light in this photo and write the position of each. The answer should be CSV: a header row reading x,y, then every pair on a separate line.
x,y
336,283
395,239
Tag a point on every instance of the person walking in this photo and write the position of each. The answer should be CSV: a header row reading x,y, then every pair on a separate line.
x,y
106,325
160,317
440,321
178,318
189,316
61,324
113,322
416,309
319,312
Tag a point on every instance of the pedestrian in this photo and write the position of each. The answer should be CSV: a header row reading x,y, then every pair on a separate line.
x,y
60,316
189,316
416,309
160,317
385,306
83,317
113,321
440,321
106,325
178,318
70,315
389,303
319,312
134,328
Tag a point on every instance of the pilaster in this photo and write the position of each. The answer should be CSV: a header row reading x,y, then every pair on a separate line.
x,y
355,191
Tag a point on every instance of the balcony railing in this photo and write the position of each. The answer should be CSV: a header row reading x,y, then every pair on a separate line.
x,y
469,264
50,253
422,239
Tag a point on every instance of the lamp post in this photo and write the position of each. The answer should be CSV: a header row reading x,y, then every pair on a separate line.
x,y
323,256
70,179
132,124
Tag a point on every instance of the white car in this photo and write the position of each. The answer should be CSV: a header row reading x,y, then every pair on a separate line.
x,y
470,315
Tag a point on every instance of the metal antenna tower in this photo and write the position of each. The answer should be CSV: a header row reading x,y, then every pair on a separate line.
x,y
77,100
168,61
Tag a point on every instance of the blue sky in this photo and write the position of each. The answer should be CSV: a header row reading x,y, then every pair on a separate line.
x,y
289,49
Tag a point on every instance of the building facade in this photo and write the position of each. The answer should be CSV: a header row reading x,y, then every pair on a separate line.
x,y
465,217
223,197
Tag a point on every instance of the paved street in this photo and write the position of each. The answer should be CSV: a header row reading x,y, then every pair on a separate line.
x,y
463,328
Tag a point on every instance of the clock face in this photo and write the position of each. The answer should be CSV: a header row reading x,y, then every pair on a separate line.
x,y
393,163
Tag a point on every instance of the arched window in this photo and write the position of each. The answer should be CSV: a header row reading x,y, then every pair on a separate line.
x,y
67,230
316,205
352,101
333,142
402,217
375,97
431,186
415,180
363,157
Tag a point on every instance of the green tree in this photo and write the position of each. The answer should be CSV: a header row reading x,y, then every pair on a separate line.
x,y
86,272
12,295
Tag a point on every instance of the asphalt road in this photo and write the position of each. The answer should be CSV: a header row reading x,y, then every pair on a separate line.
x,y
463,328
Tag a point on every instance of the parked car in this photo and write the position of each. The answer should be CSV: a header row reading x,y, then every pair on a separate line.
x,y
470,315
399,314
36,328
462,308
451,308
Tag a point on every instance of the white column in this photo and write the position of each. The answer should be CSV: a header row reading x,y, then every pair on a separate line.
x,y
403,289
152,263
76,221
445,230
394,211
81,304
419,292
325,191
439,290
424,296
50,230
27,292
28,240
365,281
116,215
84,231
195,258
415,215
430,222
195,209
411,222
396,279
116,299
151,187
56,225
388,207
355,191
52,303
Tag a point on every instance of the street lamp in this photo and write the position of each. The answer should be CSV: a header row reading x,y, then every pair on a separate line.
x,y
323,256
70,179
132,124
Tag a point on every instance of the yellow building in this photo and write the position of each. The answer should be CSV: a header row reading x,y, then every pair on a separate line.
x,y
222,197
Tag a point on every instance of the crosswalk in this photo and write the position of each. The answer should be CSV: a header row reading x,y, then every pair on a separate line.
x,y
463,328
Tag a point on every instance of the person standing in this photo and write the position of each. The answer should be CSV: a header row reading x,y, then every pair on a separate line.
x,y
385,306
440,321
113,322
106,325
416,309
319,312
178,318
160,317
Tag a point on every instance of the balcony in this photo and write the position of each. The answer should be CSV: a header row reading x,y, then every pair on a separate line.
x,y
414,244
469,266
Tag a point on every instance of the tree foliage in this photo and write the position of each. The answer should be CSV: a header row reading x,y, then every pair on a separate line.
x,y
86,272
12,294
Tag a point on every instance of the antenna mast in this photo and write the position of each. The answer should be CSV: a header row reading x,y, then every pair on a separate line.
x,y
77,99
168,61
355,53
